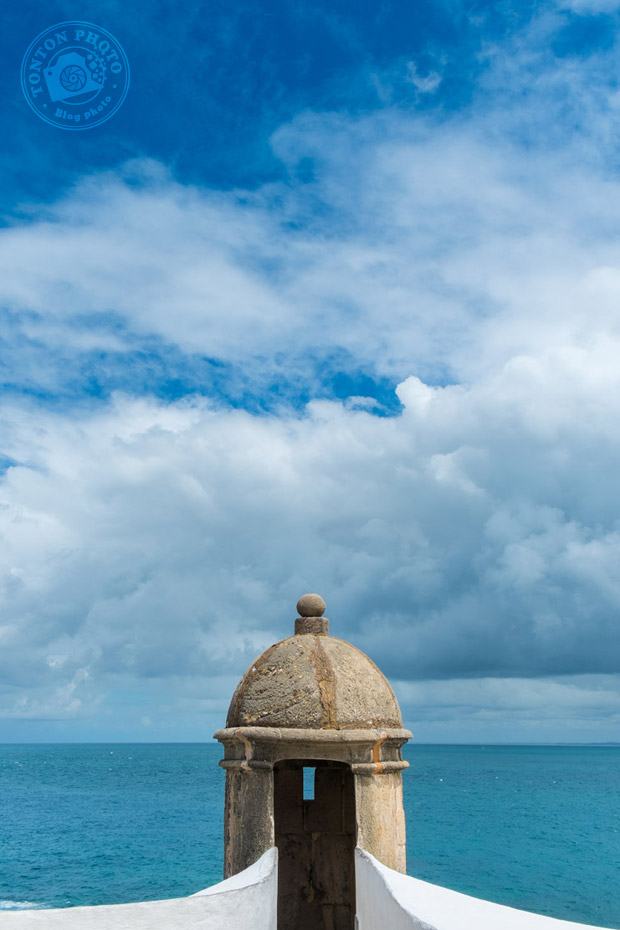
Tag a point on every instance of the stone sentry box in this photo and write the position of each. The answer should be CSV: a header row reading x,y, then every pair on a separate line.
x,y
313,710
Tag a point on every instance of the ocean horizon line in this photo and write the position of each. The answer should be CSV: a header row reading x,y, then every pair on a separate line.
x,y
213,742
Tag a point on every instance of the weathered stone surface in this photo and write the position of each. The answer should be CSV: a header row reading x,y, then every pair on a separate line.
x,y
311,605
319,626
381,818
314,682
248,818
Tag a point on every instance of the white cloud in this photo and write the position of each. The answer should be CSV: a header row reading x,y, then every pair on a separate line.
x,y
426,84
589,7
468,537
419,248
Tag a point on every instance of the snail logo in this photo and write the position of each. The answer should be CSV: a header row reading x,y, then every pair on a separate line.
x,y
75,75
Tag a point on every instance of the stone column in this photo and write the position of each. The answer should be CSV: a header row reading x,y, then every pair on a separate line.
x,y
248,814
380,814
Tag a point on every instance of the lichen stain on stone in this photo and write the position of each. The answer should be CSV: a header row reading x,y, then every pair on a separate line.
x,y
326,680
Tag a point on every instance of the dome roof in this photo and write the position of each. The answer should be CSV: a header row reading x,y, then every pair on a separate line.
x,y
313,681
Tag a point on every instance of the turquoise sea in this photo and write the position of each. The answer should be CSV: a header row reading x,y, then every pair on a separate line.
x,y
534,827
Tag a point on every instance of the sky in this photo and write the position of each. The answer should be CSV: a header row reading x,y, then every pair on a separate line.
x,y
331,303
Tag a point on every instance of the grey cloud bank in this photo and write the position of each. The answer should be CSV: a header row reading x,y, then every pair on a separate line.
x,y
460,540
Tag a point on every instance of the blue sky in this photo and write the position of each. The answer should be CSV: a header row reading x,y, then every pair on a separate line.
x,y
330,303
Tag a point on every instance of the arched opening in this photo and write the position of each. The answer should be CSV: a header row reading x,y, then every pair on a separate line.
x,y
315,835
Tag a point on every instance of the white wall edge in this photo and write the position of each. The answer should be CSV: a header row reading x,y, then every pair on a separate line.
x,y
247,901
424,906
260,871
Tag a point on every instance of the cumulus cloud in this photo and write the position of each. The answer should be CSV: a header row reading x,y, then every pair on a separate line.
x,y
475,535
417,247
150,549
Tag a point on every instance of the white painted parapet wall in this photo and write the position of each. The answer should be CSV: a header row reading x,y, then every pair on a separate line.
x,y
247,901
389,899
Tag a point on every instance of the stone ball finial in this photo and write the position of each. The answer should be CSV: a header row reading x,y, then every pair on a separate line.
x,y
311,605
